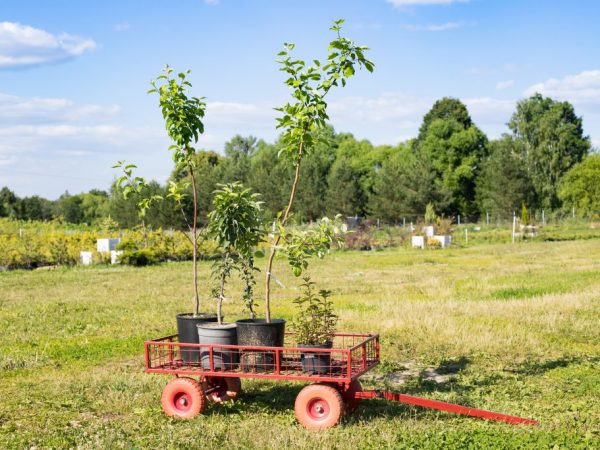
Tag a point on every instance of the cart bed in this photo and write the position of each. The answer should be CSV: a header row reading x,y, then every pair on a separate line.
x,y
352,355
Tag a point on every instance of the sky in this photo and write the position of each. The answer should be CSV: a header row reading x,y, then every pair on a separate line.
x,y
74,75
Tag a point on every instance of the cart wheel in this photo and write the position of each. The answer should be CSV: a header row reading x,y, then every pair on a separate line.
x,y
183,398
318,407
348,395
221,389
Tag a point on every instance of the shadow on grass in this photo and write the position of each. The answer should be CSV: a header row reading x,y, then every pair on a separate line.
x,y
541,367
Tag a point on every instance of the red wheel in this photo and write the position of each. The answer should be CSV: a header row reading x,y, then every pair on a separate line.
x,y
318,407
348,396
183,398
221,389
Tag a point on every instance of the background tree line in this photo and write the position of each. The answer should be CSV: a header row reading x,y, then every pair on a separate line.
x,y
543,162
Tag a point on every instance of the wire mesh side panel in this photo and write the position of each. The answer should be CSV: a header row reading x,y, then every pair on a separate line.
x,y
351,354
364,355
162,353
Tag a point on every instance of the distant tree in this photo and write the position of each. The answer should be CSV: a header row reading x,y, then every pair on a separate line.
x,y
238,152
94,206
69,208
345,195
446,109
35,208
553,142
581,186
365,160
504,183
270,175
311,201
9,203
456,148
405,185
208,172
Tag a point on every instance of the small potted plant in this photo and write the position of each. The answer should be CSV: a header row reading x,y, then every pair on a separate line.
x,y
314,327
235,225
300,120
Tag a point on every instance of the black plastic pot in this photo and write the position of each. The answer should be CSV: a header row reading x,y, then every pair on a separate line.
x,y
225,334
187,329
316,363
259,332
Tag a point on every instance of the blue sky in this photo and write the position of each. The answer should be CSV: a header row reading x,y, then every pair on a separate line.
x,y
74,75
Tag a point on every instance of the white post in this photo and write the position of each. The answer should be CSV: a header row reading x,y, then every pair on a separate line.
x,y
459,219
487,218
543,218
378,224
573,212
466,235
514,227
20,232
404,222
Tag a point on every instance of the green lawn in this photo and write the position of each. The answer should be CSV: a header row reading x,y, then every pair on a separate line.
x,y
511,328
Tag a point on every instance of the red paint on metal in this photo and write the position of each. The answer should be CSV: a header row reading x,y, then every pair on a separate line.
x,y
444,406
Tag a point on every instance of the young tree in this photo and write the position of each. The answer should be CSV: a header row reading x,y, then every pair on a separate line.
x,y
308,112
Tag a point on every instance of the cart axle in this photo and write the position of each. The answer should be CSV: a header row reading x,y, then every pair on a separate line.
x,y
444,406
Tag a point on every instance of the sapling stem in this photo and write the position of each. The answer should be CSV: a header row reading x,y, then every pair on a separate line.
x,y
195,242
284,219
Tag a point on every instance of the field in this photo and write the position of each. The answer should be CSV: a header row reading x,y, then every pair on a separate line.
x,y
511,328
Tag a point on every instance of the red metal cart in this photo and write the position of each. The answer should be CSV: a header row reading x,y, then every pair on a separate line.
x,y
334,374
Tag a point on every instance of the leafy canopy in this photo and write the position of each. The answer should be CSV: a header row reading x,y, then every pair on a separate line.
x,y
310,84
182,113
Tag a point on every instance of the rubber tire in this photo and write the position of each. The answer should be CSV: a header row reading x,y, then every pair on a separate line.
x,y
228,388
183,389
348,396
314,396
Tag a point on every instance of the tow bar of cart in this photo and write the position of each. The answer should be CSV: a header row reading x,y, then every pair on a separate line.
x,y
334,374
444,406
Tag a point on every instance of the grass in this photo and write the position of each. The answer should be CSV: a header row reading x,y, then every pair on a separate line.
x,y
515,328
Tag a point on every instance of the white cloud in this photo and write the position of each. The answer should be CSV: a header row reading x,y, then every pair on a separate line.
x,y
233,112
23,45
400,3
383,119
501,85
52,109
122,26
582,88
433,27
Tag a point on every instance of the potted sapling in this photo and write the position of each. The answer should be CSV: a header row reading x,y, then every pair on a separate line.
x,y
235,225
314,327
183,115
300,121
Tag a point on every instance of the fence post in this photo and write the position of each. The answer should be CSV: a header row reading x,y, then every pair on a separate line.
x,y
543,218
459,219
487,218
514,227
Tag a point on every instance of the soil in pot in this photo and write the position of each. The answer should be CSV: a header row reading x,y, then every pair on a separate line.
x,y
316,363
225,334
187,329
259,332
